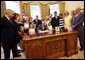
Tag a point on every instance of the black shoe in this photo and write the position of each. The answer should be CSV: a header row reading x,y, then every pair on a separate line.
x,y
19,51
17,55
81,49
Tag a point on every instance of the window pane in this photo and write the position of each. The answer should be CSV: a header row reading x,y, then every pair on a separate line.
x,y
13,5
53,8
35,10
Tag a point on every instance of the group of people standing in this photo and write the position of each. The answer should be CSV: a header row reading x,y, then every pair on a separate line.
x,y
14,26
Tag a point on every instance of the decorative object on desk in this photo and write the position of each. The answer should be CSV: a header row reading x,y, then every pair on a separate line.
x,y
65,30
57,29
61,30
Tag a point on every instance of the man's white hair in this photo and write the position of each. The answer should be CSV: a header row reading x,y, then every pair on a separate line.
x,y
8,10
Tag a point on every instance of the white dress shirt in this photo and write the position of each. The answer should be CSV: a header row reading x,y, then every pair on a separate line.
x,y
47,22
50,27
56,17
31,31
36,21
77,14
26,25
50,19
7,17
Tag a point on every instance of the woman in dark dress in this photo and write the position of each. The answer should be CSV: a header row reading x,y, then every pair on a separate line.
x,y
17,25
16,28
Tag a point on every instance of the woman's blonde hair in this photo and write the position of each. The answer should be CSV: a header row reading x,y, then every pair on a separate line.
x,y
19,18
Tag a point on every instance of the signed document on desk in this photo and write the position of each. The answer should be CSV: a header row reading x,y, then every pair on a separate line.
x,y
43,31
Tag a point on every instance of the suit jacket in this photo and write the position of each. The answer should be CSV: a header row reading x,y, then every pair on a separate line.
x,y
55,22
42,28
78,21
7,32
15,24
37,24
16,27
30,23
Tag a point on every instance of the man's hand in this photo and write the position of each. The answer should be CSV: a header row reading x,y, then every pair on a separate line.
x,y
73,26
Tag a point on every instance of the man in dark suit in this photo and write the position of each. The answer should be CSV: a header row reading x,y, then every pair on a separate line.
x,y
77,25
43,27
55,20
8,35
37,22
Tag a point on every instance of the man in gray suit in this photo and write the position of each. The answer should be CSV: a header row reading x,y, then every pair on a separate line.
x,y
77,25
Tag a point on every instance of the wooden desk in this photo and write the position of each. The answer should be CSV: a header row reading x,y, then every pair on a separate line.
x,y
50,46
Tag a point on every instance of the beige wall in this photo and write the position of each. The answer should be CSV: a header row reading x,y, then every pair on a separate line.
x,y
72,5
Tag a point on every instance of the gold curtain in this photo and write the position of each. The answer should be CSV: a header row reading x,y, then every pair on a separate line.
x,y
41,2
27,8
21,8
44,10
3,8
44,7
41,10
62,7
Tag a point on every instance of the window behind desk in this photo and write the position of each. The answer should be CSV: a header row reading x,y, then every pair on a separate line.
x,y
35,10
13,5
54,7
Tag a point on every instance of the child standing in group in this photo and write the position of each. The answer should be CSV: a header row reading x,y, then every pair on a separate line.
x,y
31,29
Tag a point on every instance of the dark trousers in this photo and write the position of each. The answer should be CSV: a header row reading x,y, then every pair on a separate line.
x,y
7,48
16,47
81,36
